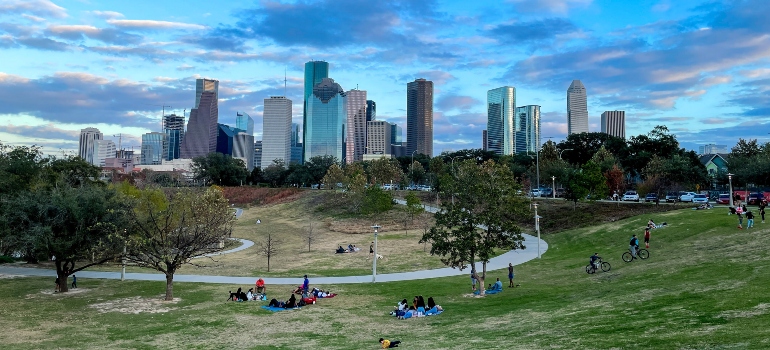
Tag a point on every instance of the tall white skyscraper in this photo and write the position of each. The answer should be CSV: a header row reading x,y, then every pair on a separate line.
x,y
86,149
356,143
577,108
614,123
501,103
276,130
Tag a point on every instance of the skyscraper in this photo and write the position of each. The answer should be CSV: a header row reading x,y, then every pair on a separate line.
x,y
326,121
244,122
378,137
201,136
296,144
203,85
371,110
315,72
527,129
397,144
577,108
501,103
243,148
484,140
356,137
614,123
419,117
276,130
173,127
103,149
225,138
258,154
154,148
87,138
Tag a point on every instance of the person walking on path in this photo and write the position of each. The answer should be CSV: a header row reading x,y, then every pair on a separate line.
x,y
749,219
74,281
510,275
647,237
305,285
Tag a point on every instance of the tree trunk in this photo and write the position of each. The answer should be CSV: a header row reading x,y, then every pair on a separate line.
x,y
62,275
268,262
483,278
169,286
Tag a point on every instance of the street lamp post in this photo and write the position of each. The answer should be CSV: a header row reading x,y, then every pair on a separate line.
x,y
374,258
453,175
411,166
562,151
553,187
730,179
537,228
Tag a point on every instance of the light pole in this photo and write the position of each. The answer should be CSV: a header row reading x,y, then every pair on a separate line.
x,y
730,179
411,167
537,228
553,187
562,151
453,175
374,258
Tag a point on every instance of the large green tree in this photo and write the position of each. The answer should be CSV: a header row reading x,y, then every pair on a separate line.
x,y
220,169
479,221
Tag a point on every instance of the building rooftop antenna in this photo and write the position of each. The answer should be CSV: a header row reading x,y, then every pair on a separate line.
x,y
284,82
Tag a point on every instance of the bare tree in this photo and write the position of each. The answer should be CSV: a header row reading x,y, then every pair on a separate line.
x,y
269,248
309,236
168,232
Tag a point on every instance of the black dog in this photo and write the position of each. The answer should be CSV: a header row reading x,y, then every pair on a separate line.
x,y
233,296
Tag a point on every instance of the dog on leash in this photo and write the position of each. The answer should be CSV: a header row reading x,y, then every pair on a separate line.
x,y
233,296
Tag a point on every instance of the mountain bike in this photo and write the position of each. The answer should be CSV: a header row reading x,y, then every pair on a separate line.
x,y
591,268
641,253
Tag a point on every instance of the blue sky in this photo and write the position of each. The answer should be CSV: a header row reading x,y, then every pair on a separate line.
x,y
700,68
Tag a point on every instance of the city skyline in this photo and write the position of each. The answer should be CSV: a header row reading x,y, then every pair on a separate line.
x,y
113,66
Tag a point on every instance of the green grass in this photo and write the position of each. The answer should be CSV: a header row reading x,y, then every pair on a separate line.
x,y
704,287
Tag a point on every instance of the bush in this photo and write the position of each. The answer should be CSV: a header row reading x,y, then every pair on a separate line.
x,y
5,259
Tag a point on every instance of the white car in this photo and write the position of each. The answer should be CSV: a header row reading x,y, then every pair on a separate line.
x,y
631,196
687,197
700,198
535,193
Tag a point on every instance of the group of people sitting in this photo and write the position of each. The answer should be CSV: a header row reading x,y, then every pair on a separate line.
x,y
239,295
351,249
418,308
307,296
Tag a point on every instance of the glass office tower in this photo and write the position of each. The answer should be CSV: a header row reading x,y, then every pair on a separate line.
x,y
527,128
154,148
244,122
501,103
326,121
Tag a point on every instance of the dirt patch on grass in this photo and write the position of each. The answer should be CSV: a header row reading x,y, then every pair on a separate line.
x,y
4,276
136,305
758,310
71,291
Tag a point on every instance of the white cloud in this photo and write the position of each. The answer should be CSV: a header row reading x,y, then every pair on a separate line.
x,y
108,14
38,7
151,24
553,6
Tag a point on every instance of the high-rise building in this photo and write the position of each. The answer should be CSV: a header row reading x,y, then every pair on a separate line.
x,y
258,154
326,121
614,123
315,72
154,148
419,117
87,138
484,140
204,85
397,144
244,122
103,149
296,144
371,110
201,136
243,148
712,149
378,137
276,130
225,138
527,129
501,104
173,127
356,129
577,108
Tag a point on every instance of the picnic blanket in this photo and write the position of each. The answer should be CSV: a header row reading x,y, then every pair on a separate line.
x,y
328,296
488,291
276,309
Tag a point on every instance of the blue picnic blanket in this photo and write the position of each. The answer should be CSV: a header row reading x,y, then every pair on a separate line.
x,y
275,309
488,291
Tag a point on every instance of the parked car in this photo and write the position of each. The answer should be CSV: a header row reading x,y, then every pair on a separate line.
x,y
755,198
700,198
546,192
687,197
631,196
672,197
560,192
425,188
724,198
651,197
535,193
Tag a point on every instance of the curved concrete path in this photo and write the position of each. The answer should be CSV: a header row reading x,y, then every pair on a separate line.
x,y
516,257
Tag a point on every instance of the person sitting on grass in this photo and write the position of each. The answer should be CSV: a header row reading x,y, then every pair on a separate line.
x,y
291,303
389,344
340,250
249,294
431,303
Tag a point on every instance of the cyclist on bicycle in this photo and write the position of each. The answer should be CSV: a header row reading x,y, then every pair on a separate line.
x,y
595,260
633,246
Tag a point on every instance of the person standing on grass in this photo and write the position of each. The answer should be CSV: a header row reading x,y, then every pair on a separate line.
x,y
371,250
740,218
305,285
510,275
647,237
762,212
56,289
473,279
74,281
749,219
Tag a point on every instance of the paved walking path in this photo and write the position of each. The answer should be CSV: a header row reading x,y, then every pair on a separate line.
x,y
516,257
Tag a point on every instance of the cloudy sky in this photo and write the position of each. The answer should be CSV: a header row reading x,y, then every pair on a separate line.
x,y
700,68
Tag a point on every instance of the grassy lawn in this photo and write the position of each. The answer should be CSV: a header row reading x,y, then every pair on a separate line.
x,y
704,287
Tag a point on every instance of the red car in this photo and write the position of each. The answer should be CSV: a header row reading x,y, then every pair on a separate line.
x,y
724,198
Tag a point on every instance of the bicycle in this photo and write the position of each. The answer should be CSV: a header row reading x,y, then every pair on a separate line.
x,y
591,268
641,253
